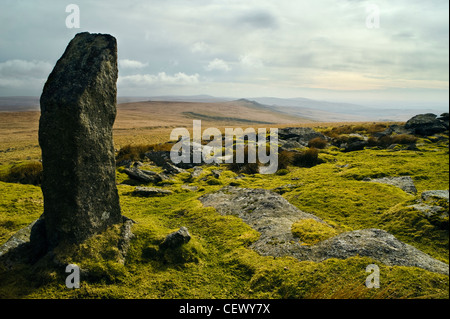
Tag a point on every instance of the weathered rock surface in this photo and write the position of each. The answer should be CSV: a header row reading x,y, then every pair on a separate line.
x,y
151,191
272,216
265,211
377,244
78,109
176,239
405,183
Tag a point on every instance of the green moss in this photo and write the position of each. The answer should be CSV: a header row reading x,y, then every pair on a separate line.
x,y
311,231
218,261
19,206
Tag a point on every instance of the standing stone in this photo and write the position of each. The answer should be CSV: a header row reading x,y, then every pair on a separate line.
x,y
78,109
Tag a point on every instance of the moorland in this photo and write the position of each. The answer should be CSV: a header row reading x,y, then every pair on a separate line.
x,y
322,177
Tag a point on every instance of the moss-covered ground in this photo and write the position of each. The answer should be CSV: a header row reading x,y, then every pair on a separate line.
x,y
217,262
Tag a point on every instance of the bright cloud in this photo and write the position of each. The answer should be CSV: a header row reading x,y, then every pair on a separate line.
x,y
131,64
219,65
161,78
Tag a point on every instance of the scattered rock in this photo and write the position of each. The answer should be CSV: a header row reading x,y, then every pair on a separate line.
x,y
172,169
300,135
176,239
78,109
435,194
151,192
144,176
405,183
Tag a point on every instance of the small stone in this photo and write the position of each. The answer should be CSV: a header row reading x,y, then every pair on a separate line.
x,y
176,239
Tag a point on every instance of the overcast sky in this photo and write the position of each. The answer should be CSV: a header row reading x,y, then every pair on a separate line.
x,y
323,49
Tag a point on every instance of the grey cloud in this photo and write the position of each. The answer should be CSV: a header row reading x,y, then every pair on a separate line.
x,y
258,19
17,75
255,43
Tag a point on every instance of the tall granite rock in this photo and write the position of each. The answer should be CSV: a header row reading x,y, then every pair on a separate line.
x,y
78,109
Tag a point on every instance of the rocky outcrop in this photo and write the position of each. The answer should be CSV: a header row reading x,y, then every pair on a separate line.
x,y
272,216
427,124
421,124
78,109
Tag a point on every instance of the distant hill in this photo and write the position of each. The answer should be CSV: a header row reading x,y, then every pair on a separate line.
x,y
19,103
285,110
340,112
176,114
